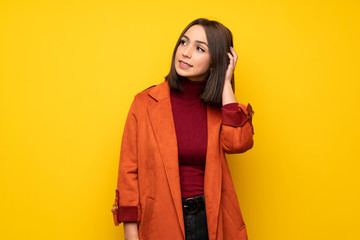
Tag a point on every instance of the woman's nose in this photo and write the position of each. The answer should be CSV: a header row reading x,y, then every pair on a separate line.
x,y
187,52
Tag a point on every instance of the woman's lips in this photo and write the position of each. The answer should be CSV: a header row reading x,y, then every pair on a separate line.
x,y
184,65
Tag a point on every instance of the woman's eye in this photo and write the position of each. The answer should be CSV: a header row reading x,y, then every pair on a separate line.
x,y
182,42
201,49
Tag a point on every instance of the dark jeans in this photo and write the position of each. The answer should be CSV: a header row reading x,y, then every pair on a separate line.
x,y
196,224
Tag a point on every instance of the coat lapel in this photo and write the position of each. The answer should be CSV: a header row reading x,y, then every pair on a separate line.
x,y
213,170
162,122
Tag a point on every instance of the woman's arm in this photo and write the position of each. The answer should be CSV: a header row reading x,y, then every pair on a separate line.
x,y
131,231
237,130
127,200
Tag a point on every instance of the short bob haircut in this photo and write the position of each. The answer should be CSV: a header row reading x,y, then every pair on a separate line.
x,y
219,40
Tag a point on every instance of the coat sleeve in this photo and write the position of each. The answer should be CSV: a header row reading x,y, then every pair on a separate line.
x,y
127,203
237,130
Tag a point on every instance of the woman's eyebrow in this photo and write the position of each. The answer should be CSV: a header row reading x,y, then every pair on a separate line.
x,y
196,40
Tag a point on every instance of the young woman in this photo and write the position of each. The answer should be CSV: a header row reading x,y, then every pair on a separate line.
x,y
173,179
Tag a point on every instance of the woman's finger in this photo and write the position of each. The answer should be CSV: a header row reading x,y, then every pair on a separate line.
x,y
231,59
234,55
233,52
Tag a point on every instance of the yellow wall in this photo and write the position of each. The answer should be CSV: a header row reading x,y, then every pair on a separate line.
x,y
69,70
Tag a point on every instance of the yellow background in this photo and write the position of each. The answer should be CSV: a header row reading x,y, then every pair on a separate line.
x,y
69,71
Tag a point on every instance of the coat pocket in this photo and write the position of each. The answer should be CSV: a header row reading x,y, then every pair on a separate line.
x,y
145,222
232,212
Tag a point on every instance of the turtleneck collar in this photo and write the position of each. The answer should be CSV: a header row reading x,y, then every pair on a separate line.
x,y
191,89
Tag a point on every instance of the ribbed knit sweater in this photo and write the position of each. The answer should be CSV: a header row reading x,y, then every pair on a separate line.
x,y
190,118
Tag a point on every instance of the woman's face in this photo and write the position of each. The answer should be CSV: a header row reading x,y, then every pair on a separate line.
x,y
192,58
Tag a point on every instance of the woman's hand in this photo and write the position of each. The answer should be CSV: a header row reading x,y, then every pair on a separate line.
x,y
228,95
232,63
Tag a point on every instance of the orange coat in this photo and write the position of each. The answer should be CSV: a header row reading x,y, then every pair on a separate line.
x,y
148,179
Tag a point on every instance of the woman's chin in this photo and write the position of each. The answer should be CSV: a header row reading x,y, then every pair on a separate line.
x,y
182,74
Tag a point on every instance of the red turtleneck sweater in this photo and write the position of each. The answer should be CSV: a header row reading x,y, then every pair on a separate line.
x,y
190,118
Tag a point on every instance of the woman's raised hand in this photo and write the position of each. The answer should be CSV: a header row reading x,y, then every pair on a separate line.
x,y
228,95
232,63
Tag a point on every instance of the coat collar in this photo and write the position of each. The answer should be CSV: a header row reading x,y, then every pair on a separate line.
x,y
160,92
162,122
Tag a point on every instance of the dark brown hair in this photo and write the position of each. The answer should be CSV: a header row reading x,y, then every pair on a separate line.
x,y
219,40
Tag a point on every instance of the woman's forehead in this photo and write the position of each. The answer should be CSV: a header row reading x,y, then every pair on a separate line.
x,y
196,33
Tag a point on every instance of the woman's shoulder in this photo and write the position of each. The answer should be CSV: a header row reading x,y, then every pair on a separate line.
x,y
153,90
146,89
144,93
